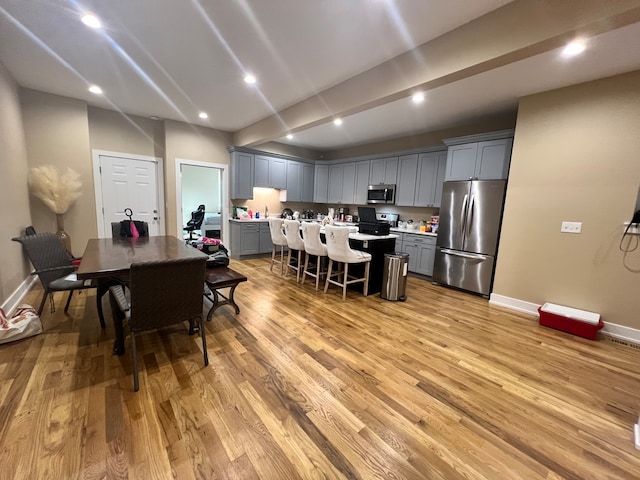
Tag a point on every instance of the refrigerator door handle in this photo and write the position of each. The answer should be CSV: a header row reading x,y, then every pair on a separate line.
x,y
473,256
463,213
470,215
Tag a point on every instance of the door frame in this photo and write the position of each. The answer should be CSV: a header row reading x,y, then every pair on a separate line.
x,y
225,194
97,185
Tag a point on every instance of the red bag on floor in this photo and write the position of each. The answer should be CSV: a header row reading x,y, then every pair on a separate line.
x,y
24,323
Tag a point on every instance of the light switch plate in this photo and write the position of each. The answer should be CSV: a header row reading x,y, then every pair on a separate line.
x,y
571,227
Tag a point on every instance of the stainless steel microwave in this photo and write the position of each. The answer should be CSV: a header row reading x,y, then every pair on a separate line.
x,y
381,194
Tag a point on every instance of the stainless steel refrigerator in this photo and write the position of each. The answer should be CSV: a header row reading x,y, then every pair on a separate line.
x,y
470,216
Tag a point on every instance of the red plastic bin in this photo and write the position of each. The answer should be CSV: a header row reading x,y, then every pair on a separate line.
x,y
578,322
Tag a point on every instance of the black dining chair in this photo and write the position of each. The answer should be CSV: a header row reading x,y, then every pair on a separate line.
x,y
53,265
161,293
123,229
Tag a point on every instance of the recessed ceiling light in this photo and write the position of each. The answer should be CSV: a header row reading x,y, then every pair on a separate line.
x,y
249,78
91,21
203,115
95,89
574,48
337,122
289,137
417,97
153,117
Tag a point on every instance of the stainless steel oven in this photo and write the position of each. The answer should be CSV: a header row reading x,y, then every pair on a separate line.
x,y
381,194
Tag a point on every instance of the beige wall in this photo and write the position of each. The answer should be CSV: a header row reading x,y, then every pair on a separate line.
x,y
14,193
117,132
575,158
189,142
57,133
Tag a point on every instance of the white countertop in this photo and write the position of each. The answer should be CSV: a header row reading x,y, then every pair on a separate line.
x,y
416,231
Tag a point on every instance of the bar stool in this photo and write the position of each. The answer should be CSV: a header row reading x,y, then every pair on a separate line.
x,y
294,242
339,250
313,246
278,240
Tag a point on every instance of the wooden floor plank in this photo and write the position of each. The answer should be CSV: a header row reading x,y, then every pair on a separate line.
x,y
303,385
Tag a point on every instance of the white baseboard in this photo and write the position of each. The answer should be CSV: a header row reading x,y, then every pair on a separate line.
x,y
16,297
514,304
620,332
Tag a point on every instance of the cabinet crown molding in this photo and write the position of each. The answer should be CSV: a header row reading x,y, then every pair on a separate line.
x,y
479,137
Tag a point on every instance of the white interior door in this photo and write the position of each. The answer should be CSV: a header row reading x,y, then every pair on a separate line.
x,y
129,182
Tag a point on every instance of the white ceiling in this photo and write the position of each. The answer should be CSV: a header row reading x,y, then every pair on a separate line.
x,y
173,59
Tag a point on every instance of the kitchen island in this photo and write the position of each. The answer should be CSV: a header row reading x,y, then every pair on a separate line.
x,y
250,238
377,246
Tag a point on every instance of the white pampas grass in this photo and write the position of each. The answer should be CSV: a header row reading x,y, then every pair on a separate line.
x,y
57,191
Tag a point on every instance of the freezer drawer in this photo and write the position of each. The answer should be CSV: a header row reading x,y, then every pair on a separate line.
x,y
468,271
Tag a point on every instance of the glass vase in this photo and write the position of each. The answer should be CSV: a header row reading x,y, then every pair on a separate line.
x,y
61,234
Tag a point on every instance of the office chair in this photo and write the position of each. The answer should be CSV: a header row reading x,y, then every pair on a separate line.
x,y
197,217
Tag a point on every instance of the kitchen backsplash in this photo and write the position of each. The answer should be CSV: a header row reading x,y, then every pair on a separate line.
x,y
271,199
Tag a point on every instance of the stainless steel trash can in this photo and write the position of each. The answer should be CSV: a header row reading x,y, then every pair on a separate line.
x,y
394,277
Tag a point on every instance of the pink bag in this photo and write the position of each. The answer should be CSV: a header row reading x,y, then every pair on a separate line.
x,y
24,323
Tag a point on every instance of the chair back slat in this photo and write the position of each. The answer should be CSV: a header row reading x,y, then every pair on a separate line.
x,y
166,292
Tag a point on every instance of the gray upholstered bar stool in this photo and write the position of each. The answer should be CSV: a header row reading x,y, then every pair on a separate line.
x,y
295,243
313,246
278,239
339,251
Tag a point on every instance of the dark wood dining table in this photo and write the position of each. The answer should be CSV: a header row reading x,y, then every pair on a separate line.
x,y
108,261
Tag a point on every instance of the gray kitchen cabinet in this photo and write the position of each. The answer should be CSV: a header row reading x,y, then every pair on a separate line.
x,y
429,179
242,172
265,244
342,183
362,182
300,179
321,184
384,171
270,172
308,172
406,186
421,250
294,181
249,238
485,160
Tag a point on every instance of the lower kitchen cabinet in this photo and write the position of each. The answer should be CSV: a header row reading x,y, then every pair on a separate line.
x,y
249,238
421,250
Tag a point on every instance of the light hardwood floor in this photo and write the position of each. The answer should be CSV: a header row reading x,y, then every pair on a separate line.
x,y
302,385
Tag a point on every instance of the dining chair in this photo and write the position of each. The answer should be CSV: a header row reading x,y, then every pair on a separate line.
x,y
121,229
313,246
340,252
276,226
53,265
162,293
295,244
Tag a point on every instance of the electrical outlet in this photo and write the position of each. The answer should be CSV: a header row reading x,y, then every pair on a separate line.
x,y
571,227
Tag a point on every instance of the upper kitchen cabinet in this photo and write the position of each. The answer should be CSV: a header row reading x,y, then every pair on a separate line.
x,y
308,176
362,182
407,179
300,179
270,172
384,171
342,182
420,179
431,171
486,158
321,184
242,173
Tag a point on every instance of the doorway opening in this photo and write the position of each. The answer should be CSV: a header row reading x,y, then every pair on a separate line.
x,y
202,183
